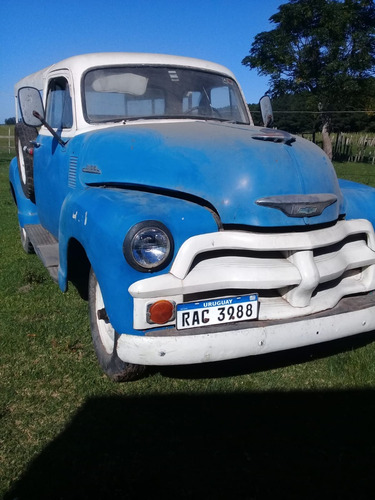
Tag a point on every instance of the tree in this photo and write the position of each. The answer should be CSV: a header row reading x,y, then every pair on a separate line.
x,y
323,47
10,121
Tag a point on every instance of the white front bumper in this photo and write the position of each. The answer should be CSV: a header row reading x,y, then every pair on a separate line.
x,y
236,343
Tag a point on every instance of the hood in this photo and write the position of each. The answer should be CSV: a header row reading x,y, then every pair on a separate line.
x,y
248,177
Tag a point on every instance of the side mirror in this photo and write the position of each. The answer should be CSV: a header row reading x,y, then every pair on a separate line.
x,y
30,101
266,110
32,111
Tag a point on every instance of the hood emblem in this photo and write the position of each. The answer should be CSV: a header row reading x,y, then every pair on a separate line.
x,y
91,169
296,205
274,135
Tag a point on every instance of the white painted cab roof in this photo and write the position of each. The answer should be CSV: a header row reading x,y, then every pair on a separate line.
x,y
79,64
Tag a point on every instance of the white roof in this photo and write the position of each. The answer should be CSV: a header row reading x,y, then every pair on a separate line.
x,y
78,64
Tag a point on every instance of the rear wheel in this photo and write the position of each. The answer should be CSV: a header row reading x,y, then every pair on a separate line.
x,y
105,338
25,241
23,136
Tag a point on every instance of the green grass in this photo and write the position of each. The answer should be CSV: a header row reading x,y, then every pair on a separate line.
x,y
357,172
290,425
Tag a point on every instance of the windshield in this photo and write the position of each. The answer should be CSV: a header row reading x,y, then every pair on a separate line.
x,y
144,92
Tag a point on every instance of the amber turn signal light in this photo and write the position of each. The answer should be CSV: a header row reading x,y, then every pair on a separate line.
x,y
161,312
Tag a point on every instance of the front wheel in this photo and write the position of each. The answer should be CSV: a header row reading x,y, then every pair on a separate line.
x,y
105,338
24,135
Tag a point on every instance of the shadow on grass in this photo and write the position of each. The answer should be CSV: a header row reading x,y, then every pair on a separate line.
x,y
230,446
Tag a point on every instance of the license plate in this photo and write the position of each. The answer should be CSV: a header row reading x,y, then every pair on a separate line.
x,y
217,311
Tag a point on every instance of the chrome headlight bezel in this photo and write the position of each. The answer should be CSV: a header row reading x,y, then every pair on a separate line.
x,y
148,246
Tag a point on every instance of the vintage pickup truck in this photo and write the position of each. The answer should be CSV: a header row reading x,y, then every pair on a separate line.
x,y
195,235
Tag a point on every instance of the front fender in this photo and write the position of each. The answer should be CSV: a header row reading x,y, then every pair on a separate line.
x,y
359,200
99,218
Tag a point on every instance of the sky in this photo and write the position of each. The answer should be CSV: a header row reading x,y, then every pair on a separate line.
x,y
35,34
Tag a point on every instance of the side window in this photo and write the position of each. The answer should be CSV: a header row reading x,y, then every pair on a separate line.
x,y
220,97
225,102
59,104
191,100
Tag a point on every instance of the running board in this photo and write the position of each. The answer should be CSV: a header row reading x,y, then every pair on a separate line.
x,y
46,247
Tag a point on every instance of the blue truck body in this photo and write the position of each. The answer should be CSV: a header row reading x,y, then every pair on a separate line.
x,y
235,203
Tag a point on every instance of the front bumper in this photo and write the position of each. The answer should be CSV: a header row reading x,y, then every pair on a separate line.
x,y
353,315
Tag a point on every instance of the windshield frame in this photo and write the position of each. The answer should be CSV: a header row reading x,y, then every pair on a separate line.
x,y
238,113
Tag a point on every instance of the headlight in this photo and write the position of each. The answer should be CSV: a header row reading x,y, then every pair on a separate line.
x,y
148,246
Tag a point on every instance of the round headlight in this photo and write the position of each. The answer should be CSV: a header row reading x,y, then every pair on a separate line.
x,y
148,246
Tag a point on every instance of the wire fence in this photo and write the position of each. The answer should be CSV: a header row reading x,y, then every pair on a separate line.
x,y
349,147
7,140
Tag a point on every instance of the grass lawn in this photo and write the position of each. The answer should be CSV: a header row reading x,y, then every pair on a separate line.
x,y
293,425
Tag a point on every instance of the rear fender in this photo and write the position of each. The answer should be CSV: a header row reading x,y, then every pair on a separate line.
x,y
99,218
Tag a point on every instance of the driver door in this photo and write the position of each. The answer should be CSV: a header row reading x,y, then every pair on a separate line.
x,y
51,159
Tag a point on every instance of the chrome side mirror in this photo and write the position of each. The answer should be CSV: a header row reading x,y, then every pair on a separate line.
x,y
266,110
31,106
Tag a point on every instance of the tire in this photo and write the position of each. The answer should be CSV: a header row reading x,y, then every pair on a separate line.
x,y
25,241
23,135
105,339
